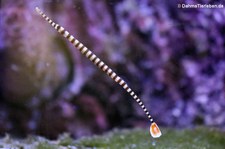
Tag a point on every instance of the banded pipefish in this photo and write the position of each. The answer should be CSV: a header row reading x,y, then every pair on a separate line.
x,y
154,129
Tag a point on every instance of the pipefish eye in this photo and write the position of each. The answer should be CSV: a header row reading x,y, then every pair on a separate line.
x,y
154,129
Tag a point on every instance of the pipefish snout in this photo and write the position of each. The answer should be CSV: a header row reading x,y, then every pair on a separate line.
x,y
154,129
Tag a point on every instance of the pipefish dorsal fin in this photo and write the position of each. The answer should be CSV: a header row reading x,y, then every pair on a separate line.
x,y
154,130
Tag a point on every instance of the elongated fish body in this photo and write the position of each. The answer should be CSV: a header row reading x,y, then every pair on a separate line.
x,y
154,129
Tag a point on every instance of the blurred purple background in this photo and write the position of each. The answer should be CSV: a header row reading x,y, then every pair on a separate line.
x,y
173,58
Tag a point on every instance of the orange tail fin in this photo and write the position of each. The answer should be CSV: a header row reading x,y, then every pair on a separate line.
x,y
155,131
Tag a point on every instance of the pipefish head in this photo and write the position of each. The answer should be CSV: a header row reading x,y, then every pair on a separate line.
x,y
37,10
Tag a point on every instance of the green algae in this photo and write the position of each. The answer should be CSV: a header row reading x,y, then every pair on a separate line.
x,y
198,138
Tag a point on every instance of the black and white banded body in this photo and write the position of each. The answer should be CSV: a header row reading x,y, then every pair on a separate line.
x,y
154,130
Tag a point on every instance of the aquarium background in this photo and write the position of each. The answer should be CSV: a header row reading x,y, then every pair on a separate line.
x,y
173,58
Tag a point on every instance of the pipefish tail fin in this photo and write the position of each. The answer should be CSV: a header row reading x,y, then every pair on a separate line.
x,y
100,64
154,130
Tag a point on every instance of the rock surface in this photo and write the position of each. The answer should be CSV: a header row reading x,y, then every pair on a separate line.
x,y
198,138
